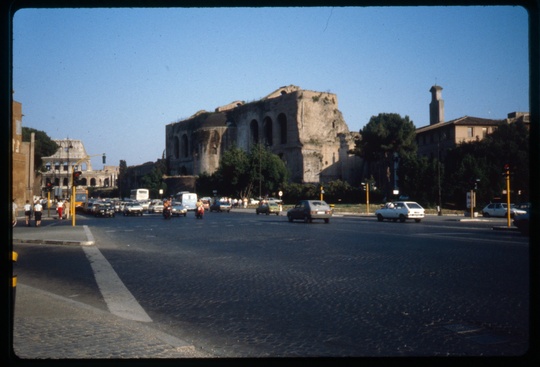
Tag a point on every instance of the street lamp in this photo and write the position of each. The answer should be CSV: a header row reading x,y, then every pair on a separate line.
x,y
441,137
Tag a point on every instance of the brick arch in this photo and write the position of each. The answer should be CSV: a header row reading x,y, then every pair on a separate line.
x,y
282,126
185,146
176,148
254,131
268,131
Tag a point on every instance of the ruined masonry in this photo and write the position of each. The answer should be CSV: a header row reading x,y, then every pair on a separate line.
x,y
304,128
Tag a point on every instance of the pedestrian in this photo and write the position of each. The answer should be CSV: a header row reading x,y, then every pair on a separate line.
x,y
27,212
38,210
14,208
60,209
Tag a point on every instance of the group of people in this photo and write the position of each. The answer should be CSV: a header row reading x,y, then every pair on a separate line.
x,y
36,210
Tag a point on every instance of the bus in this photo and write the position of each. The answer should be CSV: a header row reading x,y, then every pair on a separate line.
x,y
188,199
81,197
140,194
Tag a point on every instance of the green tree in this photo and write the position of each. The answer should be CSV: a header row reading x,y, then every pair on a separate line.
x,y
44,145
242,174
484,160
386,137
232,172
267,172
123,187
154,180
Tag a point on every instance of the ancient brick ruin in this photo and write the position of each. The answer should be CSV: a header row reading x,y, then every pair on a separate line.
x,y
304,128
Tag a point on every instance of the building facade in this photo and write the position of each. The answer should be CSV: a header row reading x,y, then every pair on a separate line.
x,y
71,156
439,136
22,159
304,128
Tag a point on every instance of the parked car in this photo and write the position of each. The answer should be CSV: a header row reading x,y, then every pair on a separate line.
x,y
499,210
104,210
253,201
220,206
177,209
400,210
267,208
522,222
133,208
307,210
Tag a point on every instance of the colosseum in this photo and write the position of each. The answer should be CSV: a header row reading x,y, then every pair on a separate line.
x,y
304,128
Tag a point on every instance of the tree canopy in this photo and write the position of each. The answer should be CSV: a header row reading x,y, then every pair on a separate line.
x,y
44,145
242,174
384,134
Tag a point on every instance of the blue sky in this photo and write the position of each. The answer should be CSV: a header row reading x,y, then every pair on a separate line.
x,y
114,78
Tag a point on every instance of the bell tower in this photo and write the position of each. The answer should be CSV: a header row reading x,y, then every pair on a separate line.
x,y
436,107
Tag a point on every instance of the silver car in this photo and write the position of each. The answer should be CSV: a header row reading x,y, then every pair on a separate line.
x,y
499,210
307,210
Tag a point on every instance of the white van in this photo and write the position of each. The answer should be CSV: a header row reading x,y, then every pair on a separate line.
x,y
188,199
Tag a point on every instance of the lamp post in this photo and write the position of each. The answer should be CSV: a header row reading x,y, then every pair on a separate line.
x,y
441,137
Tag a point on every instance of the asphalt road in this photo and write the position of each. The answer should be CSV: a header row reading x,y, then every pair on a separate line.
x,y
242,285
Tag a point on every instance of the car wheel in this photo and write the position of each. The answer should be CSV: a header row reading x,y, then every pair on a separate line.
x,y
306,219
485,215
257,212
289,217
417,220
326,220
267,213
380,218
402,218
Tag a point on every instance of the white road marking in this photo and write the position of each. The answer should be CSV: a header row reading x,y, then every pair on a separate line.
x,y
118,298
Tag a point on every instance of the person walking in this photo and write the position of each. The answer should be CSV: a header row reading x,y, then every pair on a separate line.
x,y
14,208
60,208
38,211
27,212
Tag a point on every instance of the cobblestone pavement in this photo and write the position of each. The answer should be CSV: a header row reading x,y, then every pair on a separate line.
x,y
48,326
54,327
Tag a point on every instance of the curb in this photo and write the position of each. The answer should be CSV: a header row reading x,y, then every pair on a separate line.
x,y
53,242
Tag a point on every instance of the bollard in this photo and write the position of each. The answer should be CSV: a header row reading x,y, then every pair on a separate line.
x,y
14,257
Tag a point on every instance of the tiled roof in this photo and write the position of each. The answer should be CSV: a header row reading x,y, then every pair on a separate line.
x,y
465,120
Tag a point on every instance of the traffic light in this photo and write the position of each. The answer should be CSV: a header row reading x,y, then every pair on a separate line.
x,y
506,170
49,186
104,158
77,178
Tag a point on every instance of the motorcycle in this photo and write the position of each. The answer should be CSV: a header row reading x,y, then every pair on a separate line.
x,y
167,212
199,212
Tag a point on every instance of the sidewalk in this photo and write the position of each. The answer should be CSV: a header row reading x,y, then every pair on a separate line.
x,y
49,326
52,232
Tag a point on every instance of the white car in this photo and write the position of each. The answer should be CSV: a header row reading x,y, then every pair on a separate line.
x,y
499,210
156,207
133,208
400,210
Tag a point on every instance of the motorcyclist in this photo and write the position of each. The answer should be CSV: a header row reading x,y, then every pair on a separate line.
x,y
199,209
166,208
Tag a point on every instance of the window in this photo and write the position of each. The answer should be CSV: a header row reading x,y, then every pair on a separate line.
x,y
470,132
